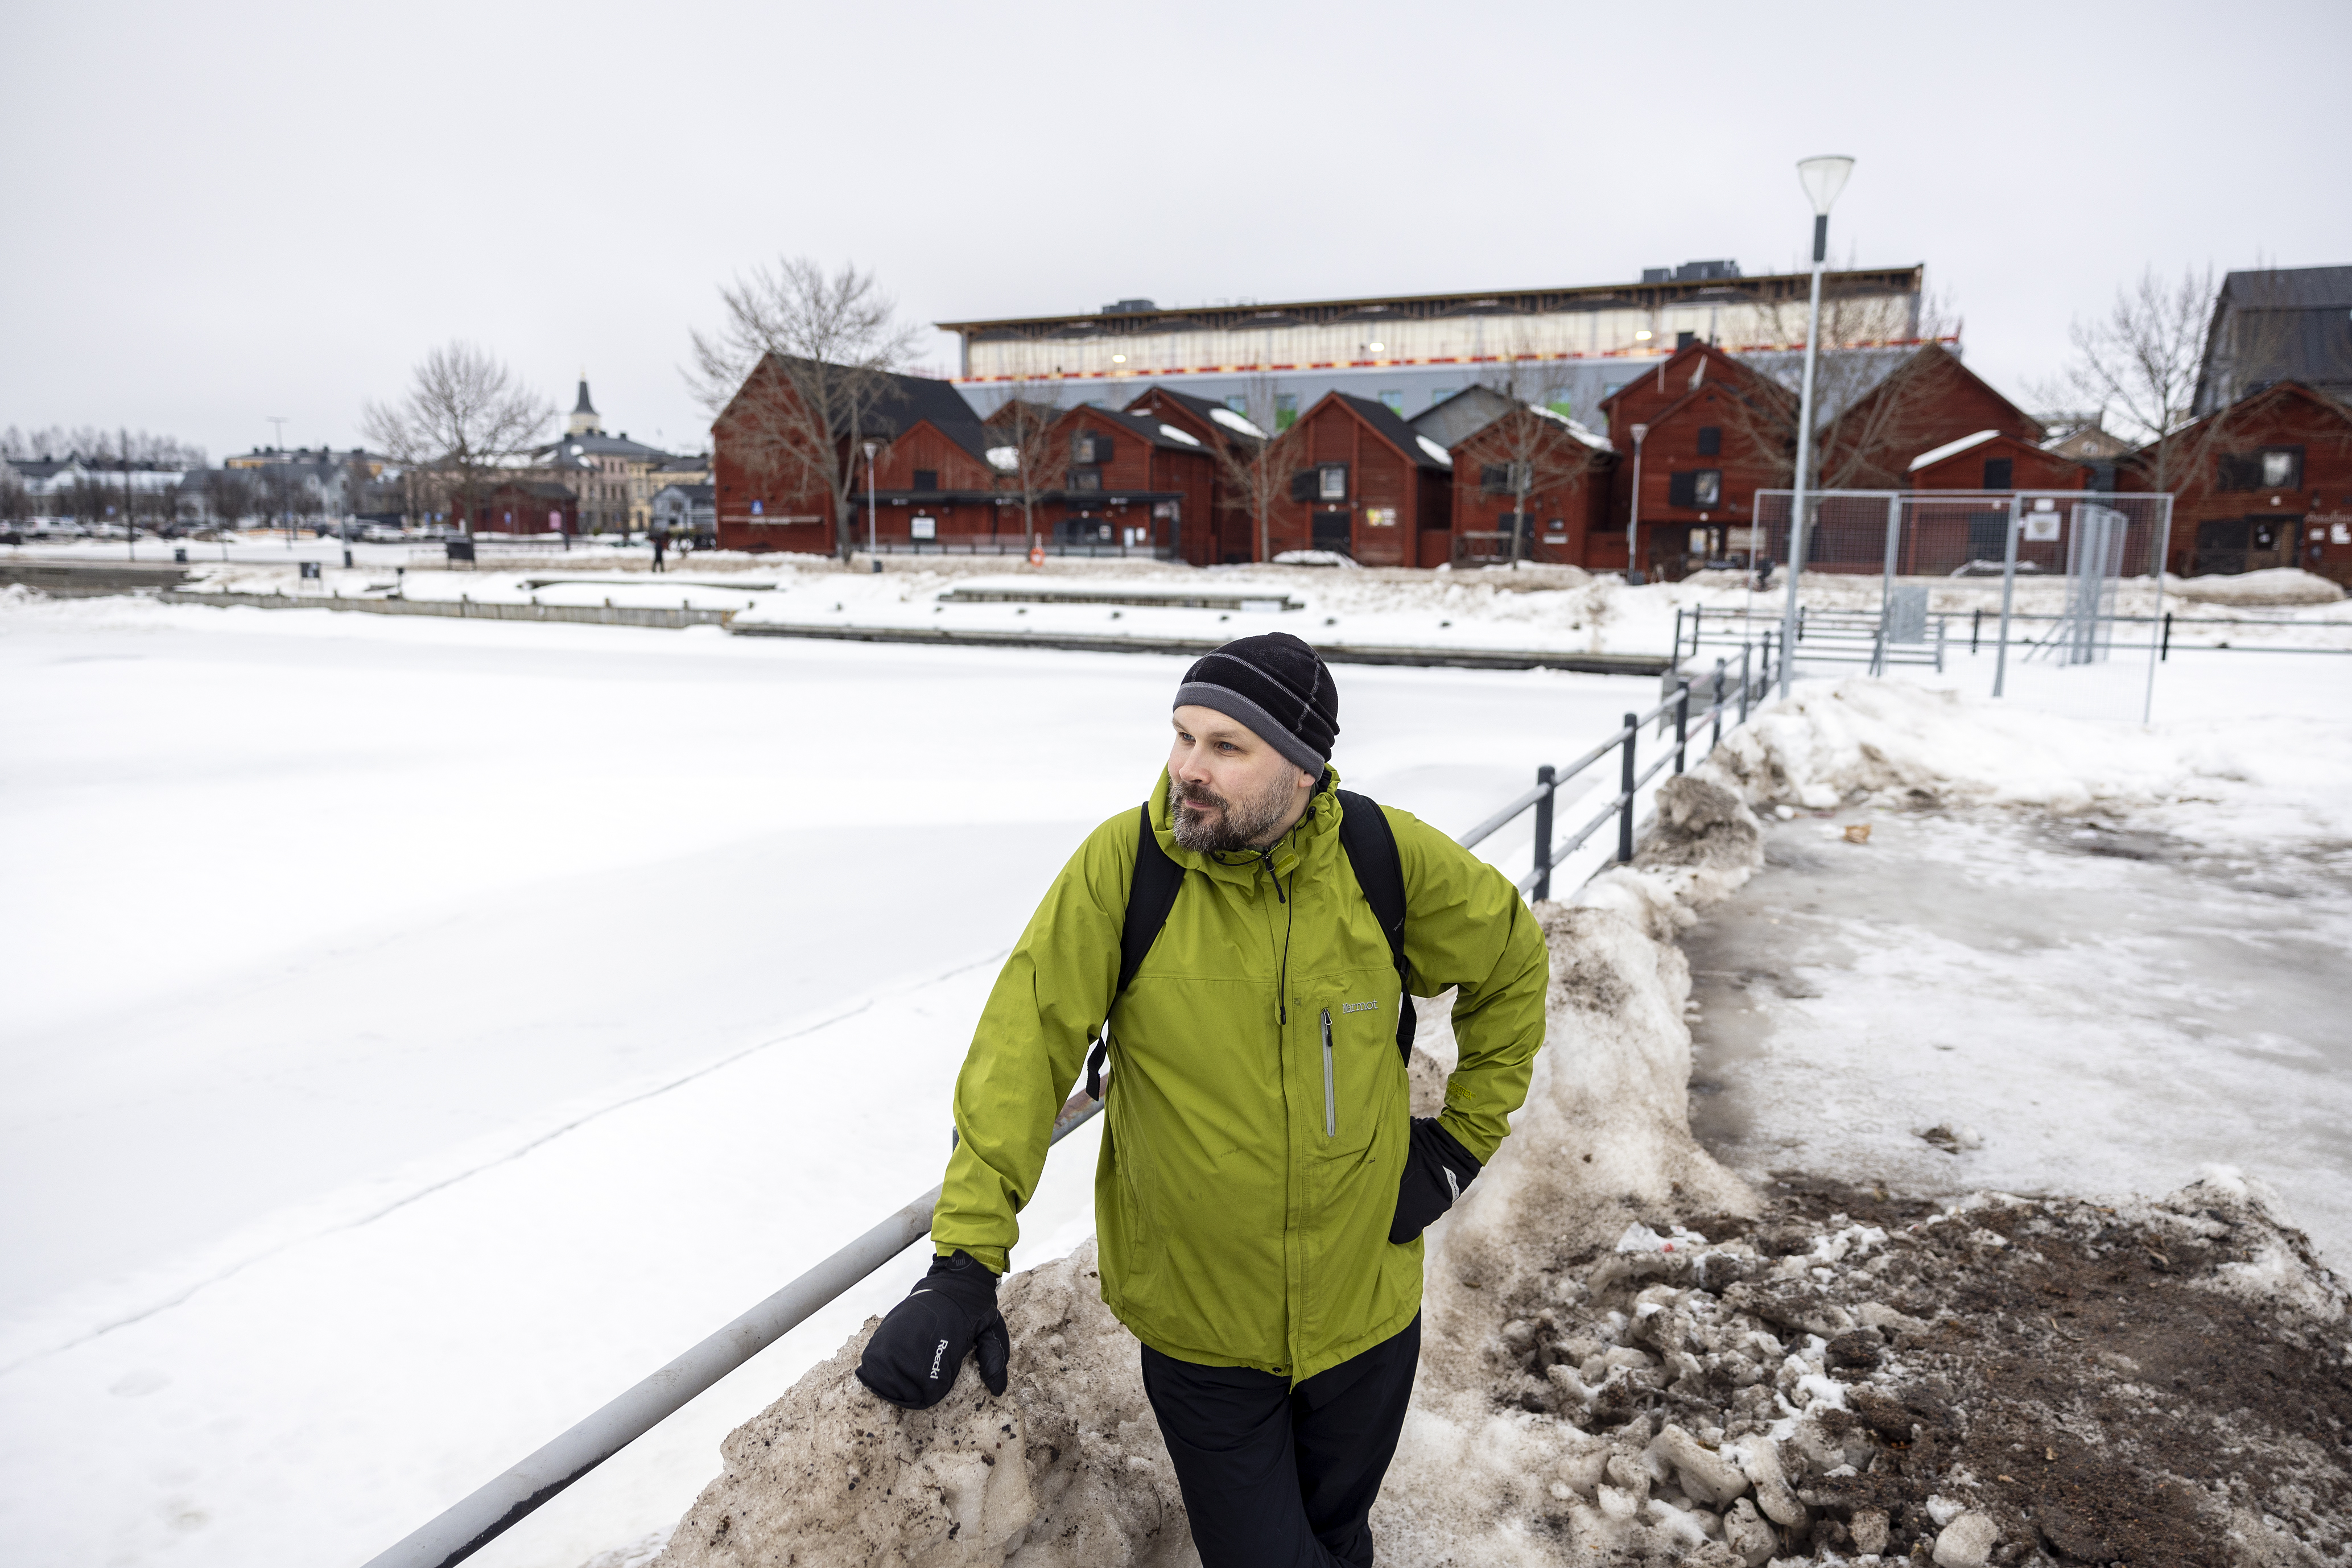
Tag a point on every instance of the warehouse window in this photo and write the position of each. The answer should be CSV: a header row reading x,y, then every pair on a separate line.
x,y
1710,440
1700,488
927,479
2281,467
1998,473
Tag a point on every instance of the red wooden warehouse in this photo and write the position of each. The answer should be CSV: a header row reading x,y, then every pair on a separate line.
x,y
1996,460
1499,443
1714,432
2266,482
1364,484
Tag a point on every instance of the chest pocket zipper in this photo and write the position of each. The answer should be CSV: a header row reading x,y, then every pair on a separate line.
x,y
1330,1095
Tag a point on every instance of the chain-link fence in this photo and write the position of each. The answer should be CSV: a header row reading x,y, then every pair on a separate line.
x,y
1953,533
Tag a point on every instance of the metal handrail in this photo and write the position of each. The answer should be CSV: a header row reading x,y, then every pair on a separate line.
x,y
459,1531
1729,698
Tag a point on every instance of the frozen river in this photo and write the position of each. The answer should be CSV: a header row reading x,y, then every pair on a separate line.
x,y
419,1030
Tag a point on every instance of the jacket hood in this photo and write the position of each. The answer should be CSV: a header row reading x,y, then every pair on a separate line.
x,y
1316,833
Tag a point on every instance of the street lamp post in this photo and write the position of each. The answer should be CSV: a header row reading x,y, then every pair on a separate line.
x,y
1822,178
872,547
1633,522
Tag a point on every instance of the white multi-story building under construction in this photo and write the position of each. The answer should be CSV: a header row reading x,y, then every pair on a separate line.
x,y
1575,344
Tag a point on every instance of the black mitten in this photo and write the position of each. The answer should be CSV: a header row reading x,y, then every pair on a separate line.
x,y
914,1355
1437,1169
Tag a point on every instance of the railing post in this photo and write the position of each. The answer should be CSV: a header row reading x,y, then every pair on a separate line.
x,y
1625,788
1543,833
1746,682
1682,722
1678,634
2167,652
1976,625
1716,705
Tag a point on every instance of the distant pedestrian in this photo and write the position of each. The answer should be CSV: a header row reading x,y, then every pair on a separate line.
x,y
661,544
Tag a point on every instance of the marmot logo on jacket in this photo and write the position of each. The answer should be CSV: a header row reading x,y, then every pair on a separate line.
x,y
1361,1008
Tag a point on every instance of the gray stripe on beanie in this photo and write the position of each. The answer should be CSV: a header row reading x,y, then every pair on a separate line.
x,y
1267,728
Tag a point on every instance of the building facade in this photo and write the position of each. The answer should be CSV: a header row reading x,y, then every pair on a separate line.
x,y
2264,482
1413,352
1997,460
2281,324
613,477
1364,484
1696,438
522,505
1530,484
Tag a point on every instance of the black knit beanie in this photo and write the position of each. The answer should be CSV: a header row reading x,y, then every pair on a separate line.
x,y
1276,686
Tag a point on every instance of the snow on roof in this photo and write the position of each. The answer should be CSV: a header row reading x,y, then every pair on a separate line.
x,y
1951,447
1174,434
1233,421
1591,437
1004,459
1435,451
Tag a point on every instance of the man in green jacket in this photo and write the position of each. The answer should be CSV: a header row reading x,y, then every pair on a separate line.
x,y
1262,1188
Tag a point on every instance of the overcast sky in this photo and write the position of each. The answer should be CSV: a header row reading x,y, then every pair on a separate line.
x,y
226,211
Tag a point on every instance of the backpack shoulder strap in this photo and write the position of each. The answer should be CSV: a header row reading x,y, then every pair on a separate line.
x,y
1372,847
1152,892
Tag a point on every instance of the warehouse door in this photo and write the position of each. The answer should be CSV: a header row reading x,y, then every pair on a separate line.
x,y
1332,532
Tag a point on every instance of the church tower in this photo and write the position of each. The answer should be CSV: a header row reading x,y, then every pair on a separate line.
x,y
583,415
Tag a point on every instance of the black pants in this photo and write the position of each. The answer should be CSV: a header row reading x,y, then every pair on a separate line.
x,y
1276,1477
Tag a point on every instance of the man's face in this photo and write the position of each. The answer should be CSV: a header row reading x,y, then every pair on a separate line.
x,y
1228,789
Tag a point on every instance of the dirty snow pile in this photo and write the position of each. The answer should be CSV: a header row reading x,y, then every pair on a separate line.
x,y
1897,745
1896,1383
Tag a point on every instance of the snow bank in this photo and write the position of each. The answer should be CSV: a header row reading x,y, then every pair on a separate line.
x,y
1605,1142
1067,1468
1907,744
2277,777
2275,585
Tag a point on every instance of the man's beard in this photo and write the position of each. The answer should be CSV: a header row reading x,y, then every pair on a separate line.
x,y
1228,825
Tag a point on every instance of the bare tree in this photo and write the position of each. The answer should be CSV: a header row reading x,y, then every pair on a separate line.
x,y
1254,471
465,418
1875,407
101,446
1031,460
228,496
1542,450
2138,364
797,379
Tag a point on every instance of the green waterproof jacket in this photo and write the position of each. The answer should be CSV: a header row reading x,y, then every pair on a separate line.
x,y
1248,1175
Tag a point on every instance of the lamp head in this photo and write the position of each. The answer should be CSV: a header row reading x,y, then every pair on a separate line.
x,y
1824,178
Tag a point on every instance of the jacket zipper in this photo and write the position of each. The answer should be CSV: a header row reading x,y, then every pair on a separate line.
x,y
1331,1101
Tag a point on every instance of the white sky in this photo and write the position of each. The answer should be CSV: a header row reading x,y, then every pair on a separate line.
x,y
226,211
